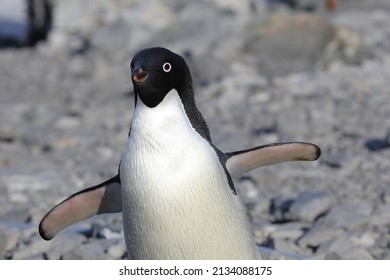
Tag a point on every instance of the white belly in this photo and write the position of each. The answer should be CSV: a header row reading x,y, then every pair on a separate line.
x,y
176,200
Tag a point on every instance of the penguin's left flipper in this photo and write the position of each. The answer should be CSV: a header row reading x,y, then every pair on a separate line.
x,y
240,162
102,198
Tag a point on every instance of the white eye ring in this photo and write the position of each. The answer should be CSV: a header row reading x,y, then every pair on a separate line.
x,y
167,67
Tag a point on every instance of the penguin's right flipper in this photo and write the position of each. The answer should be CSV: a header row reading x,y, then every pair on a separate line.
x,y
240,162
102,198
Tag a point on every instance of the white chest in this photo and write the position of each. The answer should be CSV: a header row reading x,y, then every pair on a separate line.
x,y
176,199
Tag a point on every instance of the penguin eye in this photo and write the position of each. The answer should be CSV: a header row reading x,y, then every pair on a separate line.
x,y
167,67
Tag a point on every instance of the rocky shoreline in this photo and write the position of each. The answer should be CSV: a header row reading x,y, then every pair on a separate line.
x,y
262,75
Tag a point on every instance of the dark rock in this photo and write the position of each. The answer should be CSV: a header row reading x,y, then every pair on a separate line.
x,y
377,144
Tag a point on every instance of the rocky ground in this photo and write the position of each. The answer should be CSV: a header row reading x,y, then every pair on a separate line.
x,y
263,74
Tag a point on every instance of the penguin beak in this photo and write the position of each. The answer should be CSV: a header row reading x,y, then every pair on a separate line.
x,y
139,75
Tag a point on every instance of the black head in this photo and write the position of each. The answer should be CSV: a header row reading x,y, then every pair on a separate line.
x,y
156,71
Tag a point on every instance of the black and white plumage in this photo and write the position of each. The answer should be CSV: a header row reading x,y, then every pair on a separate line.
x,y
174,186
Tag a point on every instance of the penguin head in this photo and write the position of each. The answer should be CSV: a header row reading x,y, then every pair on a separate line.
x,y
155,72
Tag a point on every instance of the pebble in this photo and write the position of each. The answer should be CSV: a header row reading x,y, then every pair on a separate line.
x,y
118,250
386,196
63,243
317,235
3,241
356,254
310,205
292,230
345,217
36,247
88,251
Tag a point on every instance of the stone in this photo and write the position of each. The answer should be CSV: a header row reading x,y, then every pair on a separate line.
x,y
118,250
285,246
63,243
345,217
317,235
356,254
337,245
386,196
3,241
107,233
88,251
291,231
310,205
9,237
270,254
36,247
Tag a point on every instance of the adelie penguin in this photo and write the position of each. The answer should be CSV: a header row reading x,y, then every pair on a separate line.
x,y
174,187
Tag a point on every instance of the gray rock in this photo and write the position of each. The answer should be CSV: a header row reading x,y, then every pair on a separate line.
x,y
89,251
310,205
3,241
286,246
337,245
356,254
118,250
277,37
270,254
35,247
9,238
107,233
318,235
386,196
345,217
64,243
291,231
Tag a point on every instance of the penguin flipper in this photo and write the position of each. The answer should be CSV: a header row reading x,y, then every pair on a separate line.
x,y
240,162
102,198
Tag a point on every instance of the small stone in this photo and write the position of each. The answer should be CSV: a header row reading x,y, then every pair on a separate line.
x,y
338,245
12,237
270,254
36,247
107,233
285,246
345,217
89,251
64,242
67,122
280,206
248,191
366,239
356,254
3,241
309,205
118,250
261,206
317,235
386,196
289,230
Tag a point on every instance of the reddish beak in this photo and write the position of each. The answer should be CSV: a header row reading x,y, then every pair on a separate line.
x,y
139,75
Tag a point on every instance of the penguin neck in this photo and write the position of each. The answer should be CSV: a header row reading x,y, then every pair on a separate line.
x,y
186,94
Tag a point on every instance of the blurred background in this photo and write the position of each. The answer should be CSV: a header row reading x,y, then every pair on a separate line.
x,y
264,71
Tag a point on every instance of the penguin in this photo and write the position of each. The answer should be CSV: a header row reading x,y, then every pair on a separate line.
x,y
174,187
